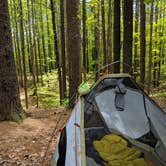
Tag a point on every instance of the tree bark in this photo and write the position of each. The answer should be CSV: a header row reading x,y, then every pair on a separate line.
x,y
136,62
127,35
96,56
18,47
51,65
32,52
28,48
34,40
73,47
160,49
23,52
142,41
155,53
63,51
117,35
105,57
150,47
39,54
84,43
109,34
164,41
58,64
10,104
43,39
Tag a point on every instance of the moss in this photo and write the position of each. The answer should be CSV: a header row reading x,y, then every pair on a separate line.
x,y
18,117
162,94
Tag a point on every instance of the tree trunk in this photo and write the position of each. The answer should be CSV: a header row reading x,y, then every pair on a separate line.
x,y
51,65
150,47
58,65
10,104
43,39
73,47
23,52
164,41
160,50
155,53
15,51
142,41
18,48
104,32
32,51
84,43
136,64
117,35
28,48
127,34
39,54
109,34
63,51
34,40
97,40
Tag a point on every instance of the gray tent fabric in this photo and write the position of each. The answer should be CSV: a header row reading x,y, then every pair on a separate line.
x,y
132,121
91,162
158,126
120,91
115,104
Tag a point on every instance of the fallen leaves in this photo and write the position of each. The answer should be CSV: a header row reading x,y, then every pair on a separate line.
x,y
25,144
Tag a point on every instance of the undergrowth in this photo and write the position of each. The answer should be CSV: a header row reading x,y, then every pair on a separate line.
x,y
48,92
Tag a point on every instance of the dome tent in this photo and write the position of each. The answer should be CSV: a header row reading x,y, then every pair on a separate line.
x,y
114,104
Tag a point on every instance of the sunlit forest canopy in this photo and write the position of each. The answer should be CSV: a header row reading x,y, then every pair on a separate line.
x,y
130,31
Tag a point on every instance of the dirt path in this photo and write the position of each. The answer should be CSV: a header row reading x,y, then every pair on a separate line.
x,y
25,144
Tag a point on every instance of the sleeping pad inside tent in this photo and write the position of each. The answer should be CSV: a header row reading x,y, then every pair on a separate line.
x,y
115,150
114,123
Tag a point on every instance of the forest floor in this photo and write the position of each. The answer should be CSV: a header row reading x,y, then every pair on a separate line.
x,y
25,144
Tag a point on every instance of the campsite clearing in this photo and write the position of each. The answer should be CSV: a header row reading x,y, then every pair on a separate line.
x,y
25,144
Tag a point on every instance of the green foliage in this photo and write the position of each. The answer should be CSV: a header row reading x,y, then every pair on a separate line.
x,y
84,88
18,117
48,93
147,1
162,94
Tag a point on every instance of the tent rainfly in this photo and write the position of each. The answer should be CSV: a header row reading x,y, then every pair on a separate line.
x,y
115,104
